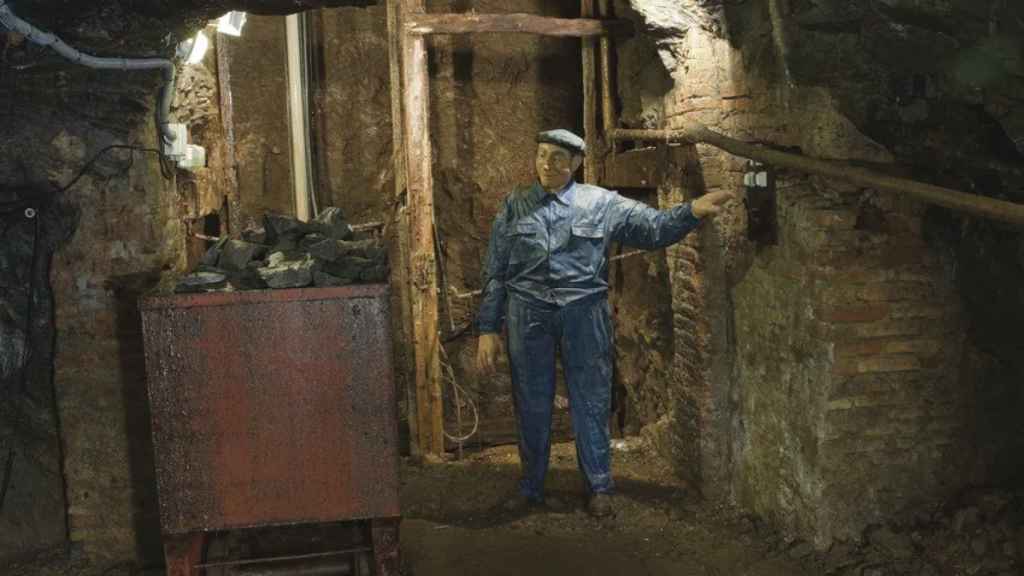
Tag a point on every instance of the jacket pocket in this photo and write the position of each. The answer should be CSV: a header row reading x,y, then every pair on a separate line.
x,y
525,241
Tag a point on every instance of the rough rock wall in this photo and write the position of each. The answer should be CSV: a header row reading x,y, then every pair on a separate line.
x,y
259,86
125,234
831,390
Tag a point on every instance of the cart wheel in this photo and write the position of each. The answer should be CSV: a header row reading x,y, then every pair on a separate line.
x,y
363,564
217,550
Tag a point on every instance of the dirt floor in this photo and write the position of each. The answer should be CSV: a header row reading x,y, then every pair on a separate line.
x,y
455,524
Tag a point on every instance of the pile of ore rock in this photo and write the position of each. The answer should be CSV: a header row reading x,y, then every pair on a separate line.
x,y
289,253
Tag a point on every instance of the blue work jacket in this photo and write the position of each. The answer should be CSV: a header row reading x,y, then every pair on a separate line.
x,y
550,249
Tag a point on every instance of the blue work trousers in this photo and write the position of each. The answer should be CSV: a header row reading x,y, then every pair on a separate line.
x,y
583,332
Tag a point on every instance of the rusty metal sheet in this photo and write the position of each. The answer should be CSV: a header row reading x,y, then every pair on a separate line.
x,y
272,407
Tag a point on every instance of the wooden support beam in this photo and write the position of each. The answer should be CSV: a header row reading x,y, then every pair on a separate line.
x,y
399,224
1002,211
591,160
231,223
424,24
422,258
607,99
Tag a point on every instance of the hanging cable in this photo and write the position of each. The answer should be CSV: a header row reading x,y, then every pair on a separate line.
x,y
131,162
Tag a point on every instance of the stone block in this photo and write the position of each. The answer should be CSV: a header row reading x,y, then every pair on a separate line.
x,y
280,226
236,255
331,223
291,274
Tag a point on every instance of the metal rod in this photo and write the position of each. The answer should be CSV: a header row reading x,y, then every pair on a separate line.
x,y
427,24
292,558
695,132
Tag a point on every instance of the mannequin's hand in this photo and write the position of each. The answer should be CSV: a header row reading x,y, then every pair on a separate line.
x,y
487,348
709,205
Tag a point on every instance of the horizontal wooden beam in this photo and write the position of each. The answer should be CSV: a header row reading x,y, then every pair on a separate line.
x,y
983,206
424,24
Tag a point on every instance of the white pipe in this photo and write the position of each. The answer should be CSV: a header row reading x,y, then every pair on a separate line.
x,y
12,22
298,113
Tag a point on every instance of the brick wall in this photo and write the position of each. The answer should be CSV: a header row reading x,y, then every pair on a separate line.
x,y
815,381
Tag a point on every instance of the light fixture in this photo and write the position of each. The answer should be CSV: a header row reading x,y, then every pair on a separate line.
x,y
195,48
231,23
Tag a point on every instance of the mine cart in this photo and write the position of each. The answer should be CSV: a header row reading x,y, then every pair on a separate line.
x,y
274,408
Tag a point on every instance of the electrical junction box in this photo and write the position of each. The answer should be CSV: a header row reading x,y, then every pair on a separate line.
x,y
195,157
176,149
186,156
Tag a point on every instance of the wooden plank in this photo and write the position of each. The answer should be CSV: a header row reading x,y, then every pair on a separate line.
x,y
591,167
423,24
400,224
422,258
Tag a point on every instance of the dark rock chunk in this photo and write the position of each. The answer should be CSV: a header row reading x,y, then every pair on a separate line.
x,y
279,227
249,278
331,223
374,274
311,240
255,235
202,281
212,255
333,250
236,254
286,245
349,268
295,274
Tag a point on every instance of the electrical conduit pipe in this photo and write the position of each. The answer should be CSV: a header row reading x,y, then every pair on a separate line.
x,y
12,22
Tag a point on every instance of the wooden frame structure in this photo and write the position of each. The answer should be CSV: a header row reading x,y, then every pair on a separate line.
x,y
408,27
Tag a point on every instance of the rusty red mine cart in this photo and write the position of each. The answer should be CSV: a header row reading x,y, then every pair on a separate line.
x,y
275,409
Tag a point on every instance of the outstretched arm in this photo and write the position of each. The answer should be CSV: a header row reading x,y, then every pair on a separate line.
x,y
636,224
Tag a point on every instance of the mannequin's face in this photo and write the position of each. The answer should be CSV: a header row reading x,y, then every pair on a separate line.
x,y
555,166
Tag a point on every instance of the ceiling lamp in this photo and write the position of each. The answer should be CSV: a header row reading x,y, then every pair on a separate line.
x,y
200,44
231,23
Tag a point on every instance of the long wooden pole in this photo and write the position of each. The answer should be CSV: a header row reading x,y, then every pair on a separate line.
x,y
421,24
422,258
695,132
607,101
591,166
404,341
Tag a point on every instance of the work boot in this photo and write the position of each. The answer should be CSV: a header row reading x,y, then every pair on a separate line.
x,y
518,502
600,505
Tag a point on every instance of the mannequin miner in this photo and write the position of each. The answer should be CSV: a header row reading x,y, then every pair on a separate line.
x,y
545,276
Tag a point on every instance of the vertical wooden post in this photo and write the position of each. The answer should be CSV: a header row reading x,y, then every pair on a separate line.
x,y
607,101
400,226
422,258
232,221
590,160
